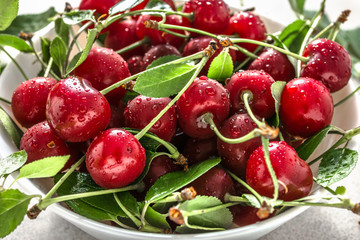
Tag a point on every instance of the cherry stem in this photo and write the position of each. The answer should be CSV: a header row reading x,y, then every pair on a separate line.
x,y
336,26
170,26
175,33
246,97
48,68
314,22
244,51
5,100
132,217
15,62
76,41
207,210
241,65
122,225
146,40
347,97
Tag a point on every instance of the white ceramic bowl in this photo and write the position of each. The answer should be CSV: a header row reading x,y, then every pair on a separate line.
x,y
11,78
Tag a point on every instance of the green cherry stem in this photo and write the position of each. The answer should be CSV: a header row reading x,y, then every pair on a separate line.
x,y
122,225
246,97
15,62
5,100
244,51
48,69
347,97
76,41
132,217
243,63
207,210
141,42
198,31
336,25
265,144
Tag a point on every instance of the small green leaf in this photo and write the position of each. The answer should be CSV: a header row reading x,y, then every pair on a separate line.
x,y
293,35
164,81
308,147
58,51
81,56
12,162
46,167
173,181
10,127
13,207
45,48
336,165
340,190
276,91
30,23
158,4
8,12
15,42
163,60
297,5
122,6
129,202
78,16
222,66
62,30
252,199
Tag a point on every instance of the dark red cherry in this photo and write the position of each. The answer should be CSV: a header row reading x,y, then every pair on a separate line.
x,y
199,150
101,7
28,101
259,84
40,141
117,115
209,15
306,106
235,156
245,215
329,63
294,174
136,64
216,182
77,111
246,25
274,63
159,51
142,110
115,158
104,67
203,96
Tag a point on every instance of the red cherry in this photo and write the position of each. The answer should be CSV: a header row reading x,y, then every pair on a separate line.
x,y
209,15
259,84
274,63
101,7
115,158
306,107
28,101
329,63
145,2
245,215
142,110
203,96
199,150
104,67
159,51
76,111
235,156
294,174
136,64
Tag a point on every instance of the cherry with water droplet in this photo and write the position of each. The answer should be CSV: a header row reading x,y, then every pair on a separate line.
x,y
158,51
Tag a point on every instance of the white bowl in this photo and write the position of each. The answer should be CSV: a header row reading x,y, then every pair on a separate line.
x,y
11,78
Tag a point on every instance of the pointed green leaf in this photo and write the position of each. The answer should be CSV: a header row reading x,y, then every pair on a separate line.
x,y
222,66
12,162
78,16
62,30
58,51
10,127
297,5
45,48
293,34
15,42
276,91
8,12
252,199
122,6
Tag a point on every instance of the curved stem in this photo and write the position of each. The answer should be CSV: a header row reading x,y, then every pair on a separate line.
x,y
201,32
132,217
244,51
246,97
175,33
48,68
347,97
5,100
265,144
76,41
247,59
141,42
324,31
123,225
15,62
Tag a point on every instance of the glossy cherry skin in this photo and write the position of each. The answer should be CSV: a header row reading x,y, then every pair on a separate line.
x,y
28,101
306,106
329,63
216,182
145,2
290,169
40,141
246,25
77,111
203,96
142,110
159,51
101,7
274,63
209,15
136,64
259,84
104,67
199,150
235,156
115,158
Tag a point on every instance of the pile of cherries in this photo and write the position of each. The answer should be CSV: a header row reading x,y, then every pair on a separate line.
x,y
71,116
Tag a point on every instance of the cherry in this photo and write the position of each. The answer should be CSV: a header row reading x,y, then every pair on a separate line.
x,y
247,25
274,63
329,63
216,182
235,156
245,215
115,158
199,150
135,64
104,67
40,141
203,96
209,15
159,51
77,111
141,110
117,114
259,84
29,100
294,174
145,2
100,7
306,107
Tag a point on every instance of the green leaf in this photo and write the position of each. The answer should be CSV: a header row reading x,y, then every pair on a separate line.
x,y
336,165
164,81
62,30
293,35
30,23
297,5
129,202
173,181
130,95
154,218
12,162
10,127
58,51
13,207
222,66
81,56
163,60
8,12
148,143
276,91
158,4
45,48
308,147
15,42
46,167
149,158
252,199
123,6
78,16
340,190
